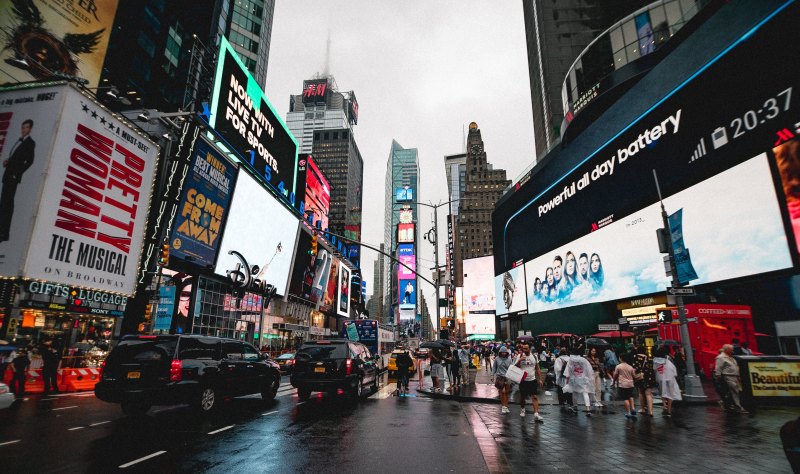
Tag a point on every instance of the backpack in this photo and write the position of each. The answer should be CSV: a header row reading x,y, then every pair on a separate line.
x,y
564,368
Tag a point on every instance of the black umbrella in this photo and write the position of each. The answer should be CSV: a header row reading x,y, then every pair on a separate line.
x,y
446,342
526,338
431,345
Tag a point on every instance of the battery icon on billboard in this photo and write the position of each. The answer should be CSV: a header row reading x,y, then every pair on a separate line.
x,y
719,137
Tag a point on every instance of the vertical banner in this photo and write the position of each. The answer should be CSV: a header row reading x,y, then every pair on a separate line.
x,y
343,308
166,306
683,262
55,36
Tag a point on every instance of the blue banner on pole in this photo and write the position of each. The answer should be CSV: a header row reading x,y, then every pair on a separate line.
x,y
166,305
683,263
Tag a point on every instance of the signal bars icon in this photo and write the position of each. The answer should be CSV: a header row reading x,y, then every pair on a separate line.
x,y
700,151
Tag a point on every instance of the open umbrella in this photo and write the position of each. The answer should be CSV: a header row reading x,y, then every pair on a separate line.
x,y
446,342
525,338
596,341
613,334
556,334
7,348
431,345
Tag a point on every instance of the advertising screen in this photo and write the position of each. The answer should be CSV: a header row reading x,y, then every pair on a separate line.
x,y
405,254
479,285
590,236
408,294
404,195
322,270
302,279
343,308
318,194
201,213
405,233
55,37
458,305
480,324
511,286
331,298
268,246
76,190
315,91
770,378
241,113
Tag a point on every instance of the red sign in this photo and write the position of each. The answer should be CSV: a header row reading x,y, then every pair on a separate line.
x,y
318,193
405,233
315,91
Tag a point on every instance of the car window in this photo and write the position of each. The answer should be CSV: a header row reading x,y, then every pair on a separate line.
x,y
322,352
285,356
250,353
142,351
232,350
198,348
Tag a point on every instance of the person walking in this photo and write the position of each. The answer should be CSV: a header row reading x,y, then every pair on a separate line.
x,y
454,368
487,358
667,379
560,367
533,381
645,380
463,355
579,380
598,373
623,377
404,363
501,365
437,371
20,365
610,360
52,362
726,369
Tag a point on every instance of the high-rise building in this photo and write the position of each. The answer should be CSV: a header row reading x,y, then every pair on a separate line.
x,y
455,167
483,187
556,34
401,188
157,45
378,284
320,107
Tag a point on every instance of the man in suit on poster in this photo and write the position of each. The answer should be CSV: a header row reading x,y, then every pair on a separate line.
x,y
19,160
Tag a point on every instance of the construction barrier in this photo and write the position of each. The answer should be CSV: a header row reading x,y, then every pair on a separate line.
x,y
68,380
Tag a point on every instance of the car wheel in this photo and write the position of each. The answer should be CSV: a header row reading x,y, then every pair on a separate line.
x,y
270,391
358,390
375,385
207,401
134,409
303,394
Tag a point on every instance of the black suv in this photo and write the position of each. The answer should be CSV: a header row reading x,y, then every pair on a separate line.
x,y
143,371
331,364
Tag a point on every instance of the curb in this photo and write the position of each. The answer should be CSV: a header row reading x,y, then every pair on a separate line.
x,y
472,399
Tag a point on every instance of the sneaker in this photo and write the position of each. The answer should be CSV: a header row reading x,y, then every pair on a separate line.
x,y
504,410
522,413
588,412
667,415
538,418
598,404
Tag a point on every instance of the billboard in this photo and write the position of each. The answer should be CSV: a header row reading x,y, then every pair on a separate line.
x,y
712,161
318,194
204,203
53,36
300,186
315,91
75,192
479,285
405,254
352,108
404,195
480,324
246,231
322,270
405,233
510,289
405,216
408,294
165,308
331,299
242,115
302,278
343,296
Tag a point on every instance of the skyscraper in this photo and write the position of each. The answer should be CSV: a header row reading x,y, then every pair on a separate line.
x,y
320,107
378,290
556,34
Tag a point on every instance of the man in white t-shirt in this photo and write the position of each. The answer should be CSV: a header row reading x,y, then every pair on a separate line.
x,y
529,363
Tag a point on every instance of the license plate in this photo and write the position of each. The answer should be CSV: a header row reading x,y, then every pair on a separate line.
x,y
319,369
134,375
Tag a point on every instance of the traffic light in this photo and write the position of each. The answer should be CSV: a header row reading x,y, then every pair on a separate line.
x,y
665,315
163,257
313,250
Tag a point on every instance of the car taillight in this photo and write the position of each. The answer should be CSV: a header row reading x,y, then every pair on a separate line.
x,y
176,371
103,366
291,362
348,366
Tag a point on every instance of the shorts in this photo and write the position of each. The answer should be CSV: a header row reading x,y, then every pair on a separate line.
x,y
530,387
626,393
437,371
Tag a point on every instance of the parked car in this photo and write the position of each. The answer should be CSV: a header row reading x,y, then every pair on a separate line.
x,y
331,364
6,397
143,371
392,365
286,362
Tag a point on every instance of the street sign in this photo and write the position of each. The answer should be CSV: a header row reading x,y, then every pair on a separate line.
x,y
608,327
623,321
685,291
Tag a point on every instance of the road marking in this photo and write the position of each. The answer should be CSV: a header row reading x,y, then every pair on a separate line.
x,y
221,429
46,399
65,408
84,395
10,442
76,428
265,414
136,461
100,423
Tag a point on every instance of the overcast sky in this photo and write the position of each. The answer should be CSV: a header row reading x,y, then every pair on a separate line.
x,y
421,71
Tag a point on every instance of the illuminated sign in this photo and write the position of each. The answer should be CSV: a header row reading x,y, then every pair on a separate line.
x,y
318,194
315,91
405,233
406,216
353,108
404,195
407,294
479,296
242,115
773,378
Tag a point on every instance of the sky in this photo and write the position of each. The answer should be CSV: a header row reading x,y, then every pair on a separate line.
x,y
421,71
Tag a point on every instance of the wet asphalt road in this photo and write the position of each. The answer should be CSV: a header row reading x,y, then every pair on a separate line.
x,y
79,433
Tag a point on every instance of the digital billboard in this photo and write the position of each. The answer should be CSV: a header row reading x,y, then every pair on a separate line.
x,y
315,91
404,195
242,115
405,254
343,306
479,285
322,270
63,37
407,294
509,287
318,194
206,195
270,246
590,236
405,233
331,299
302,279
480,324
77,183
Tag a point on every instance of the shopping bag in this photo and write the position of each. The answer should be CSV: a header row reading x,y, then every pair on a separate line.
x,y
515,374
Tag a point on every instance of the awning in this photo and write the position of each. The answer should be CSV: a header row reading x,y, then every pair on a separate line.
x,y
613,334
289,327
761,334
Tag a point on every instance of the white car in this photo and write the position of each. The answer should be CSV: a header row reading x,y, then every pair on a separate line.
x,y
6,397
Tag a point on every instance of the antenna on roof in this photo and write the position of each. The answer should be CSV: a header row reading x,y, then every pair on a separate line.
x,y
326,70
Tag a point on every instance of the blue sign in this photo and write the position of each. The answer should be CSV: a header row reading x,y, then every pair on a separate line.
x,y
405,250
683,262
404,194
205,201
166,305
408,294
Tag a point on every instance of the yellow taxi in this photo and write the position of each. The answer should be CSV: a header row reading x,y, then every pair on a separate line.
x,y
392,366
